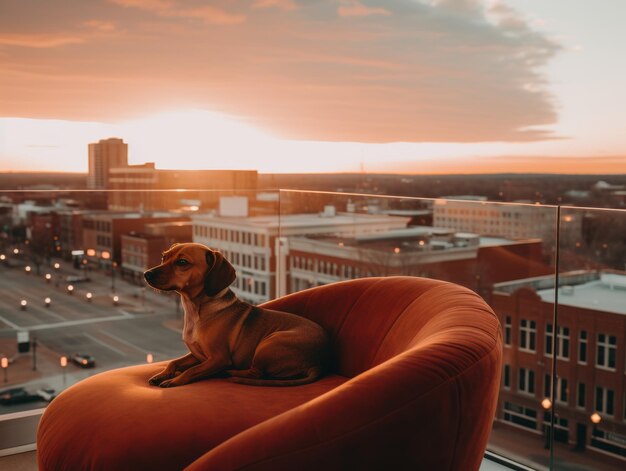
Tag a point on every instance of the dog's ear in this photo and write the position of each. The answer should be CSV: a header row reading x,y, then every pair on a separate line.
x,y
220,275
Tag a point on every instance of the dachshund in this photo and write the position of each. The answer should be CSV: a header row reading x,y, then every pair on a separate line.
x,y
229,337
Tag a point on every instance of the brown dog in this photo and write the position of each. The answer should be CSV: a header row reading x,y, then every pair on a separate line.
x,y
228,336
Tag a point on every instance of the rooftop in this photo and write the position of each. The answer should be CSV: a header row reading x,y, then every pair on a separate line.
x,y
306,220
595,290
607,294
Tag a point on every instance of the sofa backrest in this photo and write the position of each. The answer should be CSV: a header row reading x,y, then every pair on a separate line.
x,y
371,320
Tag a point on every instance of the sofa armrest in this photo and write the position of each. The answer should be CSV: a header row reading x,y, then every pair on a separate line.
x,y
387,417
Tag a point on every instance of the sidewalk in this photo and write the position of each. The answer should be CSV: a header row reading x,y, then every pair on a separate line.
x,y
20,368
527,448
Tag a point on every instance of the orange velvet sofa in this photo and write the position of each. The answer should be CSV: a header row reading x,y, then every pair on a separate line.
x,y
413,385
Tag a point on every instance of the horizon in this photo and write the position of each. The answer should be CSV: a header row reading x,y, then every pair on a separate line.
x,y
422,87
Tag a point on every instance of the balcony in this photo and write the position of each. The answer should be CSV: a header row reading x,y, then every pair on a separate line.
x,y
554,275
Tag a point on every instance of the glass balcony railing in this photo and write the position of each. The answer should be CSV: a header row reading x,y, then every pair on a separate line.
x,y
74,302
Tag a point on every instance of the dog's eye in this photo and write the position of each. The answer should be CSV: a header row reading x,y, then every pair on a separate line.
x,y
181,262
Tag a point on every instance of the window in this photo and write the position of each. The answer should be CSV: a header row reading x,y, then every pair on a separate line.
x,y
582,347
507,330
605,351
562,390
549,335
582,392
605,400
507,377
526,382
562,347
520,415
527,335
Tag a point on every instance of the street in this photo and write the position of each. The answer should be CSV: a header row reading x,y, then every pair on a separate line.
x,y
142,322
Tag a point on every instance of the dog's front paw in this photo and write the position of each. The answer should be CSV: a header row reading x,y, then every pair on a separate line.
x,y
157,379
168,383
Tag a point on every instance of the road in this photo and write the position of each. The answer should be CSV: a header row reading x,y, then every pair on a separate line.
x,y
116,335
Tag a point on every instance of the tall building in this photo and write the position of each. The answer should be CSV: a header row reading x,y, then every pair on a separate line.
x,y
103,156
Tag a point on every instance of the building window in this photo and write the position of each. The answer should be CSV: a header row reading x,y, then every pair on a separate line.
x,y
605,400
562,390
507,330
582,392
549,335
562,348
507,377
527,335
582,347
605,351
526,382
520,415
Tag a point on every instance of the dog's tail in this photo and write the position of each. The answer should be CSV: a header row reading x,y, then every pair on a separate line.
x,y
312,375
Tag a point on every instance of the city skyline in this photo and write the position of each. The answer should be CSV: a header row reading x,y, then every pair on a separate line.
x,y
448,86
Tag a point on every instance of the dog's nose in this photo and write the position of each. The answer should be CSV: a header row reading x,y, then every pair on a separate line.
x,y
149,276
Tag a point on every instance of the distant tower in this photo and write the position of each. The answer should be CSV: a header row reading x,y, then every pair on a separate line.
x,y
104,155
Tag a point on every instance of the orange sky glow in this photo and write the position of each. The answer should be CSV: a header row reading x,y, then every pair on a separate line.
x,y
407,86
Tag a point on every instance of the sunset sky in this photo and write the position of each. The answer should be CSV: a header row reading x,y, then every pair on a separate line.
x,y
465,86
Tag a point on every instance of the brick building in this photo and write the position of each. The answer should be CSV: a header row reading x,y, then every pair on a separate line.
x,y
589,350
144,187
258,249
102,231
467,259
143,250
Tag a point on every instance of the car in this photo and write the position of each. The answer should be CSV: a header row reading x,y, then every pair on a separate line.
x,y
16,396
77,279
83,360
47,394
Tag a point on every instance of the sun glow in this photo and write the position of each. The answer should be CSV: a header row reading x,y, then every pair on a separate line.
x,y
194,139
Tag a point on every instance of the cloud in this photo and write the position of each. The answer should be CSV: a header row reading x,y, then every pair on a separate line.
x,y
328,70
356,8
98,25
280,4
171,9
39,41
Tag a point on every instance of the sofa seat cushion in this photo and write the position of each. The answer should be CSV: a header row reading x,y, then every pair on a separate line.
x,y
116,420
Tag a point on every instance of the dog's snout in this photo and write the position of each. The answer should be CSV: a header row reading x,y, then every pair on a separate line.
x,y
150,275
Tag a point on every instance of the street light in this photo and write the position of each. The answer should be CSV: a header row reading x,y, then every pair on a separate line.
x,y
48,277
70,289
63,363
27,268
89,296
546,404
16,251
596,418
116,300
4,363
23,304
47,302
57,265
2,257
149,358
